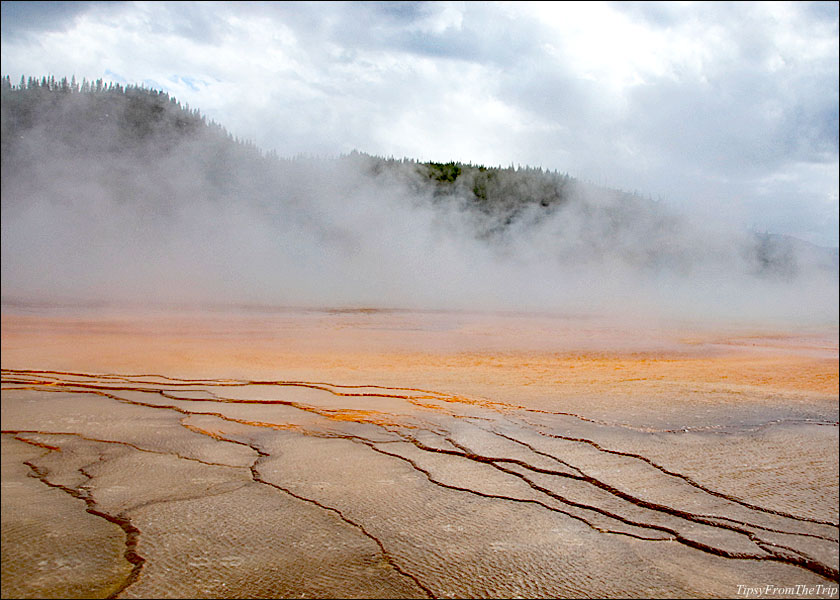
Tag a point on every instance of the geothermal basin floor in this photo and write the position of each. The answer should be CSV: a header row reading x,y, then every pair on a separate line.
x,y
408,454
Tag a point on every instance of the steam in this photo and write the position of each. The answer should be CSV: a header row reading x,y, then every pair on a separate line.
x,y
193,223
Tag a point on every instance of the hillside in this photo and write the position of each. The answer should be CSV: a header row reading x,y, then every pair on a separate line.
x,y
126,166
45,120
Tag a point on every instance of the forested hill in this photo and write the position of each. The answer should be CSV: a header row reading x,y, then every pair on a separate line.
x,y
96,116
75,130
66,119
105,149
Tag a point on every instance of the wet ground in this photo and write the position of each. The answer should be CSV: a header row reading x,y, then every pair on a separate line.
x,y
396,454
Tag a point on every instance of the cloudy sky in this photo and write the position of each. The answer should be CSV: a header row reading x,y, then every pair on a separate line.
x,y
728,109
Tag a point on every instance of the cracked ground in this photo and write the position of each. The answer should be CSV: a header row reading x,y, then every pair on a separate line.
x,y
537,469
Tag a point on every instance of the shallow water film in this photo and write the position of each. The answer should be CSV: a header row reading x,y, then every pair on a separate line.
x,y
385,454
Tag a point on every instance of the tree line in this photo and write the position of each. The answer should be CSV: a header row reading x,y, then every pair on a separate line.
x,y
106,118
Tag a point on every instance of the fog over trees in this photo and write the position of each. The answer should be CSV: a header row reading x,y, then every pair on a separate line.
x,y
121,193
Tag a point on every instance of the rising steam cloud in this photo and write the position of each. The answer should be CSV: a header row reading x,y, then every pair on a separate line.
x,y
197,219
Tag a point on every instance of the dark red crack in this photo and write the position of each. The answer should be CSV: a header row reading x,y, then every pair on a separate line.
x,y
132,534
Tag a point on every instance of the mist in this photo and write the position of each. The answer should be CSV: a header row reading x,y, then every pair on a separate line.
x,y
92,214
